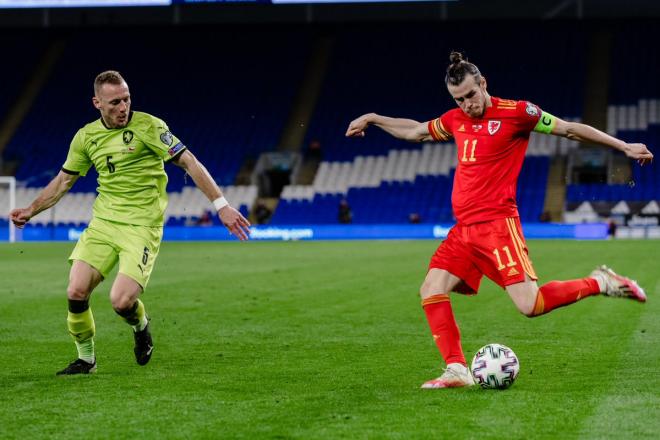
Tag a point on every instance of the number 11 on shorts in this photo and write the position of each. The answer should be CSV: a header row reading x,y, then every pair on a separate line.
x,y
506,250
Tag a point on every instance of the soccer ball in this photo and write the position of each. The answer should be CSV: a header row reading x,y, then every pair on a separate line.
x,y
495,366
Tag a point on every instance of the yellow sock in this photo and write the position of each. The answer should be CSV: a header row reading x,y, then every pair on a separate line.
x,y
82,329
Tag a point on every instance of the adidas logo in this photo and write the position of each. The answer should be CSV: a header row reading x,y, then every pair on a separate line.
x,y
462,127
513,272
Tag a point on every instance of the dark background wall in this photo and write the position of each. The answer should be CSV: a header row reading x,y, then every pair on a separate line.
x,y
318,13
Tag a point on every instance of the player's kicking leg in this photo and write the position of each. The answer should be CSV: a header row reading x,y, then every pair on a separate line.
x,y
613,284
124,298
535,301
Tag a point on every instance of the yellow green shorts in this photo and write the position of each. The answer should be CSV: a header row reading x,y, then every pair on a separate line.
x,y
104,243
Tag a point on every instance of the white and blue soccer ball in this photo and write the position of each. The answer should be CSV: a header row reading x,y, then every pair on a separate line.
x,y
495,366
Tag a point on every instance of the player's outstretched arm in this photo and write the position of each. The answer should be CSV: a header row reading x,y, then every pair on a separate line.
x,y
406,129
48,197
230,217
586,133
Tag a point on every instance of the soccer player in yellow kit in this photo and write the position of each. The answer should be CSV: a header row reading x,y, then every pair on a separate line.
x,y
128,150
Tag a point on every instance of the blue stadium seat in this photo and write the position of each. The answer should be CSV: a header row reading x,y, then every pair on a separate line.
x,y
215,96
380,78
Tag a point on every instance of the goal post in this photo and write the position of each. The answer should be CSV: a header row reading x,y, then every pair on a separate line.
x,y
10,181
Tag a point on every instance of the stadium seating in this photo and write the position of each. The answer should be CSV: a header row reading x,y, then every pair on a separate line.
x,y
227,114
387,189
223,113
633,114
634,64
634,111
21,52
75,208
644,184
391,76
404,77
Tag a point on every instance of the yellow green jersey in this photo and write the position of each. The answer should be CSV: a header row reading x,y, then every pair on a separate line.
x,y
130,164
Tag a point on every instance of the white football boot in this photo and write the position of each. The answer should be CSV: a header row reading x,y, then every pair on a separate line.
x,y
613,284
455,376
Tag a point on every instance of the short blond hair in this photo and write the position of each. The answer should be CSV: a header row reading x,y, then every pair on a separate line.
x,y
107,77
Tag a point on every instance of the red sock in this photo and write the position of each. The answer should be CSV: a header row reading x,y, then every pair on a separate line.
x,y
562,293
443,327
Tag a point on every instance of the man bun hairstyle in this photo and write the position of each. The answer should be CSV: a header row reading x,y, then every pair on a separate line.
x,y
107,77
458,68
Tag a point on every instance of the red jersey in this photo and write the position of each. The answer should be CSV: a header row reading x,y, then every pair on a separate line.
x,y
491,150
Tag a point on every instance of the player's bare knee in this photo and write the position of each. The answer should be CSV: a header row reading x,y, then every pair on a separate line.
x,y
78,292
528,312
528,308
524,297
122,303
427,289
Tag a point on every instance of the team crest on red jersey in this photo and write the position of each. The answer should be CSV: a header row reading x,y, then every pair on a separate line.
x,y
493,126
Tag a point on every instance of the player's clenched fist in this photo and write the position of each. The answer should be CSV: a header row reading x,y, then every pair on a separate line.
x,y
358,126
20,216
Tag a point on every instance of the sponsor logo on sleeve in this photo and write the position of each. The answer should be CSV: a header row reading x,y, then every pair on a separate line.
x,y
127,136
532,110
493,126
166,138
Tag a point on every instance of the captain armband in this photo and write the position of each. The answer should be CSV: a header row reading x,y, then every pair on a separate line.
x,y
437,130
546,123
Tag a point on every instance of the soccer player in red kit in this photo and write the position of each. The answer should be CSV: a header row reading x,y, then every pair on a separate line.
x,y
492,136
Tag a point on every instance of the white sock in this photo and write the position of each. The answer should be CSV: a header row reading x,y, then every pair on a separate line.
x,y
601,282
86,350
457,367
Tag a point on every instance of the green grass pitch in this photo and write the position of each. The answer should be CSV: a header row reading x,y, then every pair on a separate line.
x,y
325,340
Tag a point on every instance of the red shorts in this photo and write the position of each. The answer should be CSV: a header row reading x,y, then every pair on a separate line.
x,y
494,248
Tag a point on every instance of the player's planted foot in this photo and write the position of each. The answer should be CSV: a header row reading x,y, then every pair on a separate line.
x,y
78,367
144,346
455,376
613,284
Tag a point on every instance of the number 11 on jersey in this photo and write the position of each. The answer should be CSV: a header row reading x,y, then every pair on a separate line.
x,y
465,150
